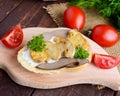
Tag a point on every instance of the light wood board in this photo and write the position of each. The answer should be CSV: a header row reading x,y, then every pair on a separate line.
x,y
90,75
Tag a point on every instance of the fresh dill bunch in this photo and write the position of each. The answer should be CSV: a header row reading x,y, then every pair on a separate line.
x,y
37,43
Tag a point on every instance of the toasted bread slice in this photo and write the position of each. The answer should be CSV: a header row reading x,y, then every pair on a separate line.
x,y
29,67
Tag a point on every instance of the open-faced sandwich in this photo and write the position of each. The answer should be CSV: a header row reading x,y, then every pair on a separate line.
x,y
70,52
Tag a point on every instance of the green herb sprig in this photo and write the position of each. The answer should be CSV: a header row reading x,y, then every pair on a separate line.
x,y
81,53
106,8
37,43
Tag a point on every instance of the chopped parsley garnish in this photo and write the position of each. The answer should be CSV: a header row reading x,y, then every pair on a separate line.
x,y
81,53
37,43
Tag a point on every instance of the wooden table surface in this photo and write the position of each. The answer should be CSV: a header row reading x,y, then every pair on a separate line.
x,y
29,13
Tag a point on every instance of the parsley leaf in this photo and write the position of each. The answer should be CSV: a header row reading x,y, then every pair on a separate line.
x,y
37,43
81,53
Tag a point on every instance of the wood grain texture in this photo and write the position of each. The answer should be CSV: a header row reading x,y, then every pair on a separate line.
x,y
10,88
7,86
5,11
75,90
17,14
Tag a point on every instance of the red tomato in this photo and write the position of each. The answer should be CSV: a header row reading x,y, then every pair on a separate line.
x,y
13,38
105,35
105,61
74,17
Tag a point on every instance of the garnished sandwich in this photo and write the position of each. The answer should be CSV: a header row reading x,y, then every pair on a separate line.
x,y
60,53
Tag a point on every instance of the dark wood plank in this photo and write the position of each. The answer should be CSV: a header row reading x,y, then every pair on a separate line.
x,y
10,88
35,17
117,93
45,22
75,90
7,6
29,13
16,15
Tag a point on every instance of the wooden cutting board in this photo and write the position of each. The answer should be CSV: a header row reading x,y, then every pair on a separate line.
x,y
90,75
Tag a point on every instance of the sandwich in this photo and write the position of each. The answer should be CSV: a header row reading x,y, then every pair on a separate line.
x,y
69,51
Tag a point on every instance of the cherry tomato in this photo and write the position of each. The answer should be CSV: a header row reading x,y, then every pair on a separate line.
x,y
105,61
13,38
105,35
74,17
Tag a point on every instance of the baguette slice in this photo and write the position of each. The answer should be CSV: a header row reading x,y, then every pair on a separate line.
x,y
29,67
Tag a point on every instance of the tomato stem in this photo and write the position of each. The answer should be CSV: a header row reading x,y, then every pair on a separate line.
x,y
88,33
